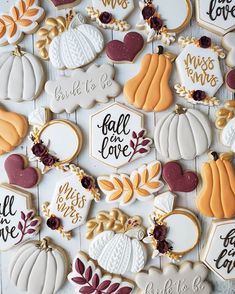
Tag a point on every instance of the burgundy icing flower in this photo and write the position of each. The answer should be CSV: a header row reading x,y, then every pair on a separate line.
x,y
148,12
156,23
87,182
105,17
199,95
48,160
205,42
160,232
53,223
163,247
39,149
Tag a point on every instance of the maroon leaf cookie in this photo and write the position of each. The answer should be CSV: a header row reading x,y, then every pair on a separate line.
x,y
127,50
62,4
18,172
88,278
177,179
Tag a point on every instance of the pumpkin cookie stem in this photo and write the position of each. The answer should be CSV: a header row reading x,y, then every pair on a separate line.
x,y
214,155
179,109
17,51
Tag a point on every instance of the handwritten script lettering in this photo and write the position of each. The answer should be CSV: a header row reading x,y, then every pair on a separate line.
x,y
115,3
221,8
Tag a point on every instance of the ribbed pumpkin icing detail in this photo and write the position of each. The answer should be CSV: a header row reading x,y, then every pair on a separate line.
x,y
217,197
149,89
13,129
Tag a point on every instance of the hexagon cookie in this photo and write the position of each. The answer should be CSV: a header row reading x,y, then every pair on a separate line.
x,y
121,135
111,14
216,16
18,220
219,250
199,70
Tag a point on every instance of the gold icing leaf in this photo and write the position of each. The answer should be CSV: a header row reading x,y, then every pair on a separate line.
x,y
22,7
25,22
144,176
12,30
114,196
128,196
153,185
31,12
155,169
7,19
106,185
136,181
15,13
225,114
117,183
143,192
127,184
29,2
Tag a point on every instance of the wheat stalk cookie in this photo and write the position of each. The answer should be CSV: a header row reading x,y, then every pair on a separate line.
x,y
23,19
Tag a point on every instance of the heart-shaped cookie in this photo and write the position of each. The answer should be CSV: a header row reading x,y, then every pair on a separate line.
x,y
177,179
18,172
127,50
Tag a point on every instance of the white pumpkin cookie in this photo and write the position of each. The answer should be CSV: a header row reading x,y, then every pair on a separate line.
x,y
117,249
55,143
228,42
71,201
18,217
23,19
72,42
88,278
173,232
158,19
183,134
111,14
39,267
187,277
22,76
82,88
142,184
199,70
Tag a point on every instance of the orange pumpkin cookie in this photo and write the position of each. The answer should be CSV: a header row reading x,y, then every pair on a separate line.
x,y
13,129
149,89
217,197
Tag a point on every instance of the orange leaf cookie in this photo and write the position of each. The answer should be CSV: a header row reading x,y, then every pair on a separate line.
x,y
149,89
13,129
217,197
22,19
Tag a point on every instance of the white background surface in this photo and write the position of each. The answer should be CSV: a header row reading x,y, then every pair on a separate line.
x,y
44,191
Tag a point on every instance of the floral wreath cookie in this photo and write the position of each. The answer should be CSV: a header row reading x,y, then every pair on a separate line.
x,y
50,148
174,231
88,278
39,267
71,201
199,70
159,21
19,221
22,19
111,14
111,232
69,42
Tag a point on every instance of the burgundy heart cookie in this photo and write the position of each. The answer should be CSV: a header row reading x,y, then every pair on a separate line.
x,y
177,179
127,50
19,174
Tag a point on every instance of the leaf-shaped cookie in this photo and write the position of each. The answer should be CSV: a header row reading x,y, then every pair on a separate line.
x,y
142,184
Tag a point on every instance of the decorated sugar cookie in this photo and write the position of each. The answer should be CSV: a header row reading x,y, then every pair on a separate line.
x,y
199,70
158,19
63,4
23,19
111,14
126,51
187,277
39,267
218,253
55,144
69,42
177,179
39,117
174,231
71,201
88,278
19,173
141,185
13,129
122,138
183,134
228,42
18,217
216,16
22,76
230,80
117,248
217,197
149,89
82,88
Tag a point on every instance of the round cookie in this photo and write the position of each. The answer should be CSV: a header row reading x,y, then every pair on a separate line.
x,y
18,172
183,134
230,80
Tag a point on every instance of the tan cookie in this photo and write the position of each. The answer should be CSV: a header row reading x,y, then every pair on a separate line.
x,y
13,129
